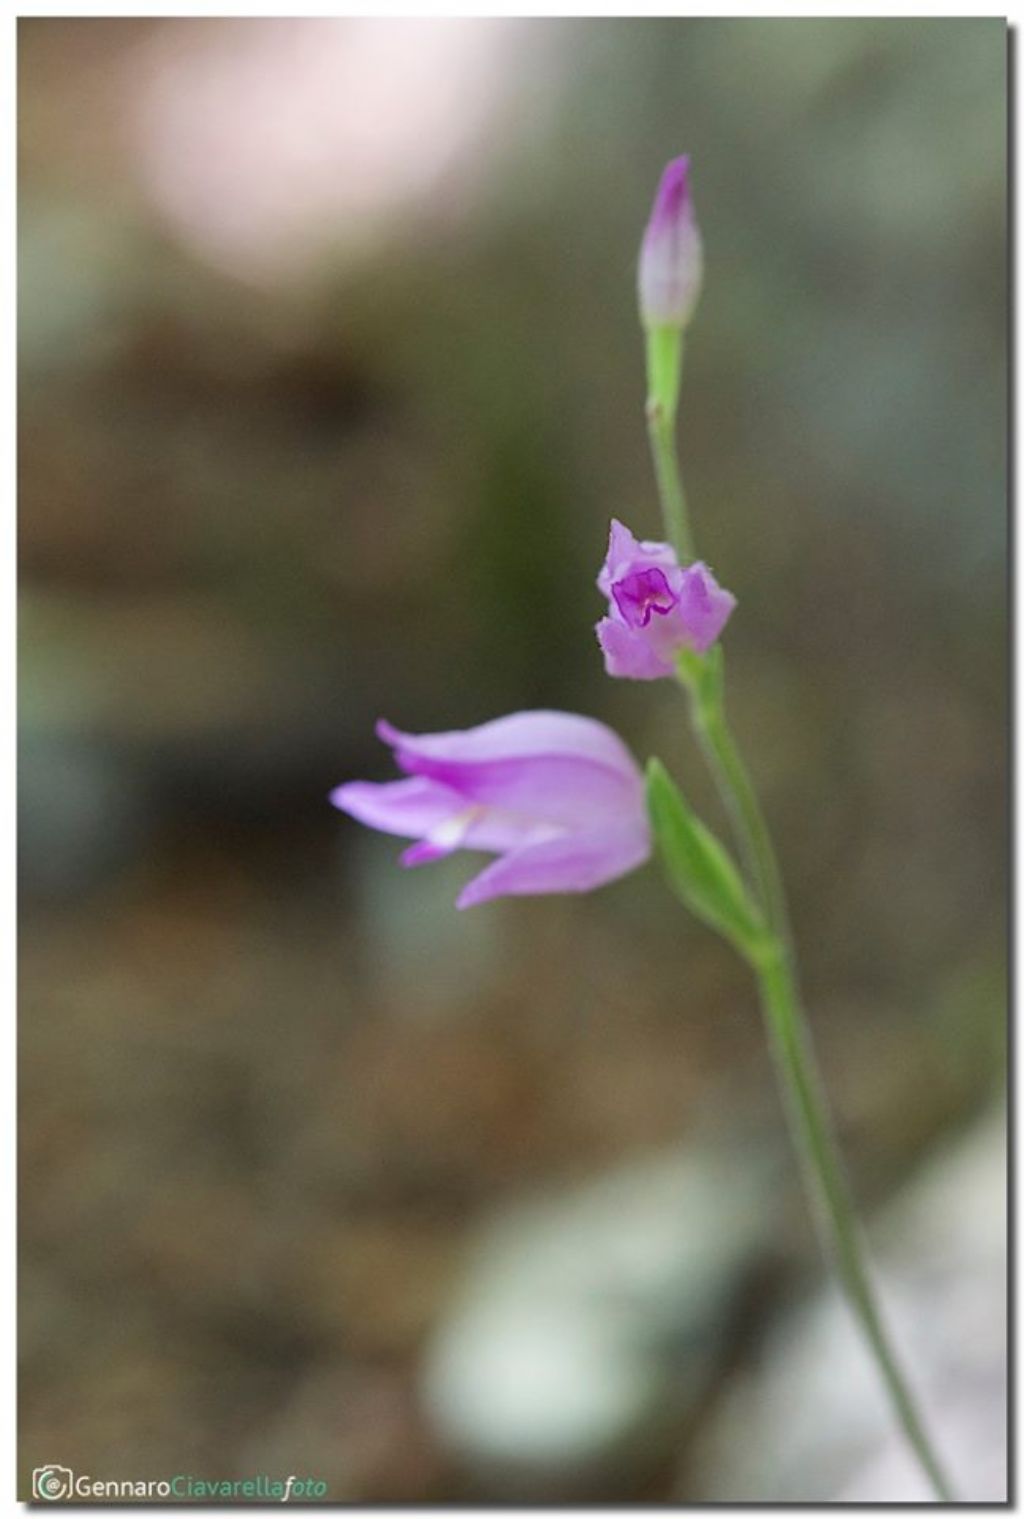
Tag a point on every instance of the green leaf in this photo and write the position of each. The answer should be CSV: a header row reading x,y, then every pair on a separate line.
x,y
699,867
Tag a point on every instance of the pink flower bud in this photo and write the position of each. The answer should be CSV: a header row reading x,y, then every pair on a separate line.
x,y
671,257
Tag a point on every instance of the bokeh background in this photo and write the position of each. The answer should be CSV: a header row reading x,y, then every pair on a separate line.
x,y
330,381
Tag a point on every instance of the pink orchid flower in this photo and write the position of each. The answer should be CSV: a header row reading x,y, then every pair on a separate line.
x,y
557,797
656,607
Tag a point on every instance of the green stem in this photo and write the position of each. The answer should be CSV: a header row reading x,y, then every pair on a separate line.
x,y
737,792
664,367
773,959
803,1093
823,1172
670,485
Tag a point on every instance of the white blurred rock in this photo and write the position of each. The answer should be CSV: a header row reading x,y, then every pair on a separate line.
x,y
810,1422
590,1322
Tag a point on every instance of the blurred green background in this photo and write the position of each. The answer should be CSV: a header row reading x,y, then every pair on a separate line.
x,y
330,380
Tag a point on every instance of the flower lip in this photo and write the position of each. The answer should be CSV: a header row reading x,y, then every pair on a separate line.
x,y
643,593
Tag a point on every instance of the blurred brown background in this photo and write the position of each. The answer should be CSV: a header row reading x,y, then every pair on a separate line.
x,y
330,381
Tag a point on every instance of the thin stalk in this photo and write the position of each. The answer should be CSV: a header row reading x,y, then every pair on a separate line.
x,y
774,962
664,348
737,792
823,1172
660,430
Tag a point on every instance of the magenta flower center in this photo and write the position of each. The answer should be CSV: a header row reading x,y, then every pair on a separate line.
x,y
642,593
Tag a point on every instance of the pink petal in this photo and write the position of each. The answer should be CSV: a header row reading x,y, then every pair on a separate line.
x,y
704,607
546,767
409,808
444,838
622,548
626,553
521,734
629,653
575,862
556,789
476,827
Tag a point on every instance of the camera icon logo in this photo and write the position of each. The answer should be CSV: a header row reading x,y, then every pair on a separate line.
x,y
52,1483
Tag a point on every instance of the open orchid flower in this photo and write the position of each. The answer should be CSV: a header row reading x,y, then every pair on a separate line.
x,y
557,797
655,607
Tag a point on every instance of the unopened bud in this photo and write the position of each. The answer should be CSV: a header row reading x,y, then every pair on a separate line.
x,y
671,257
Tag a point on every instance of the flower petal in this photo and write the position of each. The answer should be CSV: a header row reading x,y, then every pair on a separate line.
x,y
704,607
622,548
626,553
443,839
440,818
552,768
478,827
629,653
575,862
521,734
410,808
558,789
